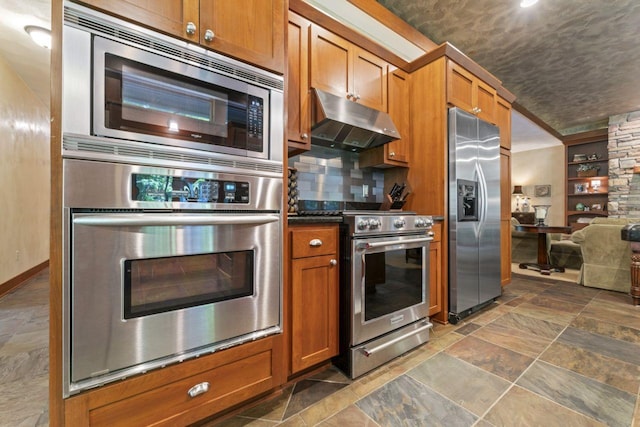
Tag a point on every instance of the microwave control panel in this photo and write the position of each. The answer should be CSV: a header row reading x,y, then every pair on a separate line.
x,y
167,188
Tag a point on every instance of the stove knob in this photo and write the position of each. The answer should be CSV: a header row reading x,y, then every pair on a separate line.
x,y
363,224
420,223
398,223
375,223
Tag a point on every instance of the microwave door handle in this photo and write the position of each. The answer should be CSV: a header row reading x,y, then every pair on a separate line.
x,y
118,220
372,245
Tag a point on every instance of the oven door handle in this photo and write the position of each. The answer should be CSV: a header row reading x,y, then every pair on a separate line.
x,y
118,220
371,245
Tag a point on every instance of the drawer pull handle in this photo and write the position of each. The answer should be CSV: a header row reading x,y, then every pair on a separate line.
x,y
315,243
198,389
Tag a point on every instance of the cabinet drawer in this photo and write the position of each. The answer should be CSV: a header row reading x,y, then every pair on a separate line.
x,y
315,241
228,384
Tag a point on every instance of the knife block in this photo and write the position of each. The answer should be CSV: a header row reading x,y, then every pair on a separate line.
x,y
389,205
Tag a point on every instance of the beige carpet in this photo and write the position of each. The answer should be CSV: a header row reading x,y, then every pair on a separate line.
x,y
569,274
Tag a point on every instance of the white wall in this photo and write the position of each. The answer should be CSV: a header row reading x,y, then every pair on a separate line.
x,y
541,167
24,176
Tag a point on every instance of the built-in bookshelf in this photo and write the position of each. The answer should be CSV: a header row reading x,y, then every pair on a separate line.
x,y
587,179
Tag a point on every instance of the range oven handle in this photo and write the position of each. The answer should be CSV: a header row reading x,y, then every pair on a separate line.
x,y
371,351
371,245
118,220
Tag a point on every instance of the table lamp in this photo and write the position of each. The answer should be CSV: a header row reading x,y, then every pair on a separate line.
x,y
517,191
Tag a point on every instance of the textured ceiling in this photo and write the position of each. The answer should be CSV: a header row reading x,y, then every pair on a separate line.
x,y
572,63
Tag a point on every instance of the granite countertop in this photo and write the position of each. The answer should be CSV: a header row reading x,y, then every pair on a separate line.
x,y
314,219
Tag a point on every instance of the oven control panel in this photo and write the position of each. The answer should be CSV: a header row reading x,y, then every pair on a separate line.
x,y
168,188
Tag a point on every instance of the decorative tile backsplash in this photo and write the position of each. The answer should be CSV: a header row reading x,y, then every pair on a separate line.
x,y
330,174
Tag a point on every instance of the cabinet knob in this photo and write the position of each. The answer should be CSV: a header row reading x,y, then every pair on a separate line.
x,y
304,136
357,97
198,389
315,243
392,154
208,35
333,262
191,28
350,95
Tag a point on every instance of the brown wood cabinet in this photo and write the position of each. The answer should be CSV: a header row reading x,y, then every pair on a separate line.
x,y
344,69
298,91
468,92
314,295
436,285
395,153
250,30
161,397
503,121
505,216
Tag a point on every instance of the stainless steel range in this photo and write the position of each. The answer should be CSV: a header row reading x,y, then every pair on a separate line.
x,y
384,285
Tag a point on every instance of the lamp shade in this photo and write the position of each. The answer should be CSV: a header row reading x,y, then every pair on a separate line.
x,y
517,190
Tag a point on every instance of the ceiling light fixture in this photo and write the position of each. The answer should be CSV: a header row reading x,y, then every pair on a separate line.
x,y
41,36
527,3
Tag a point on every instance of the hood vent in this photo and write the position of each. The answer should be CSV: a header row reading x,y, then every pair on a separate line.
x,y
340,123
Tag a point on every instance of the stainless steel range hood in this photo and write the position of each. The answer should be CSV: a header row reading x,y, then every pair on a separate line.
x,y
337,122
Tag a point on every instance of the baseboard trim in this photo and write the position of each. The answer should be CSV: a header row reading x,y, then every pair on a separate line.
x,y
11,284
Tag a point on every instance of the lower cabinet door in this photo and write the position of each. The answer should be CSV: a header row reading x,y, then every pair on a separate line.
x,y
314,311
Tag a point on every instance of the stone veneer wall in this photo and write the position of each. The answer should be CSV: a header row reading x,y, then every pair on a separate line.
x,y
624,154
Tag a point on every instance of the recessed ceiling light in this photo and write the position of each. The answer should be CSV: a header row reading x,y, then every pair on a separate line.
x,y
527,3
41,36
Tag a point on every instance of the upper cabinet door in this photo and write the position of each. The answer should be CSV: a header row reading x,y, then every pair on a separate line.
x,y
251,30
167,16
399,110
330,62
503,121
460,87
298,96
369,82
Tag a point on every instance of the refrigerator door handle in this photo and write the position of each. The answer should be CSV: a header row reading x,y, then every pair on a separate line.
x,y
482,196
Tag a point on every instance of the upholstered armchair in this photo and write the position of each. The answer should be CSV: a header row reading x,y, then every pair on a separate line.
x,y
606,258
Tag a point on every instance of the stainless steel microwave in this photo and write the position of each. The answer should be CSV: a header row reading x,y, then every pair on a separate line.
x,y
128,83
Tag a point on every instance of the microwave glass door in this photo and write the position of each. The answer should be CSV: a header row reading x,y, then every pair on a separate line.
x,y
155,99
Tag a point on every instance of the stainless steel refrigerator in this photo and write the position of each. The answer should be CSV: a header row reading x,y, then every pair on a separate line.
x,y
474,214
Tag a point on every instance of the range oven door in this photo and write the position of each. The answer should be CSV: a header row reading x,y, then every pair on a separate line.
x,y
152,288
389,284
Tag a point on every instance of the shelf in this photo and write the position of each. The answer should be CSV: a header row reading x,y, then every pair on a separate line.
x,y
582,178
588,161
588,194
589,212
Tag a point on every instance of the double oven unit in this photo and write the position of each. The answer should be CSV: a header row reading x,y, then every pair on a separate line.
x,y
172,200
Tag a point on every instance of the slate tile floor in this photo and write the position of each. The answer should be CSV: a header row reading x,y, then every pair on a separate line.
x,y
548,353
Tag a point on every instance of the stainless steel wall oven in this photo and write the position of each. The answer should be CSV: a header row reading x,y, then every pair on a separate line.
x,y
155,274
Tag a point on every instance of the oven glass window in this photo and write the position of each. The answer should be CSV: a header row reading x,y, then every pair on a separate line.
x,y
393,281
158,285
143,99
